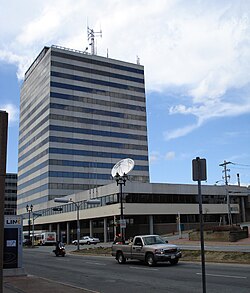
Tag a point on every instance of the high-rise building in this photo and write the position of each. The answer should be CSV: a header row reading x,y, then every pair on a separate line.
x,y
79,115
10,197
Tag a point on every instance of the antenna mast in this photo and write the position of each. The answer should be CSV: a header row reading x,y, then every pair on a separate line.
x,y
91,37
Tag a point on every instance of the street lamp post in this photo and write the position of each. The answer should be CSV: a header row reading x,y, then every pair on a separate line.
x,y
34,216
29,210
77,205
121,180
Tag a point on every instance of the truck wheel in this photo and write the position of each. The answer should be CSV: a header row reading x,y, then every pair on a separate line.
x,y
120,258
150,260
174,261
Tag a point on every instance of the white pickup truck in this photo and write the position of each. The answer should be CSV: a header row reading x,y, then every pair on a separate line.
x,y
148,248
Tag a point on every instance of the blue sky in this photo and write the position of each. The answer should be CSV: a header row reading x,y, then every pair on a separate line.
x,y
197,72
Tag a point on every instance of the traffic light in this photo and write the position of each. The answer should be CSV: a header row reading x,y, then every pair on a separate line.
x,y
57,209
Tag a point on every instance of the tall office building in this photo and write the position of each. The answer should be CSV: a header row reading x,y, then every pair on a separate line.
x,y
10,197
79,115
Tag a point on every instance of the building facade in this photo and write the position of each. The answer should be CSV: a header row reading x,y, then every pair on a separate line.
x,y
10,198
79,115
147,207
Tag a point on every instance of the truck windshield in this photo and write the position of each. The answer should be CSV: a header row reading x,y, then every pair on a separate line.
x,y
150,240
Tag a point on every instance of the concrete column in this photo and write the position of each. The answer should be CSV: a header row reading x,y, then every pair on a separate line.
x,y
105,229
243,211
68,233
151,224
50,228
115,231
58,231
90,228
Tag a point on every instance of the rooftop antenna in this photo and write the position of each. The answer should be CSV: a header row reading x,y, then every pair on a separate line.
x,y
91,37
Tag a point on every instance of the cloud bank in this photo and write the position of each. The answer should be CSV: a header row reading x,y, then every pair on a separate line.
x,y
199,48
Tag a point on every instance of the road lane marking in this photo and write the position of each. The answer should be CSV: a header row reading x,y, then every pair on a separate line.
x,y
95,263
145,269
225,276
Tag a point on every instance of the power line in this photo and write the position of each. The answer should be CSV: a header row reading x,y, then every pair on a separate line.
x,y
244,165
236,166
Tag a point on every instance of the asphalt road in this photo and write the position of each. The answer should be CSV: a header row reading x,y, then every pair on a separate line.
x,y
219,247
105,275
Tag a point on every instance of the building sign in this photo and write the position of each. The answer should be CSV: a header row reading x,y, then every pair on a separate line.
x,y
13,241
12,221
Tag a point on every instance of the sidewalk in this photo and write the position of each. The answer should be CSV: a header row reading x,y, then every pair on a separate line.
x,y
33,284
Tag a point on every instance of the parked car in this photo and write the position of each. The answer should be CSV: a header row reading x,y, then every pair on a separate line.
x,y
87,240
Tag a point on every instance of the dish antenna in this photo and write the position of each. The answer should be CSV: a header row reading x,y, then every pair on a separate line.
x,y
123,167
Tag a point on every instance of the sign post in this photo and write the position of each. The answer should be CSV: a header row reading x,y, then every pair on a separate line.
x,y
200,174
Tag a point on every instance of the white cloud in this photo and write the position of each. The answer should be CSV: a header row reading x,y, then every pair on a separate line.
x,y
201,48
154,157
22,62
170,155
206,111
12,111
178,132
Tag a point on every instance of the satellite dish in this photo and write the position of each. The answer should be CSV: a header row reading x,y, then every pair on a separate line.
x,y
123,166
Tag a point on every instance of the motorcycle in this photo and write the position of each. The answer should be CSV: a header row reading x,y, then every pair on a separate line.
x,y
60,250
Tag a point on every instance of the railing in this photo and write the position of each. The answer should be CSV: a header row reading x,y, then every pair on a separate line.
x,y
71,50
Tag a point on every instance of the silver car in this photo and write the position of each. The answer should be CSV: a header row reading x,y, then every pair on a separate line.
x,y
86,240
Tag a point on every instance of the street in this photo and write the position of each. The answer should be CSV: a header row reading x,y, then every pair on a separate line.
x,y
103,274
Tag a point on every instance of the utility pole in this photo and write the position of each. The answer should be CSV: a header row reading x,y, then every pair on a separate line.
x,y
224,165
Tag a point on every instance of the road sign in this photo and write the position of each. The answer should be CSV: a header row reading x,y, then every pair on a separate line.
x,y
199,169
123,223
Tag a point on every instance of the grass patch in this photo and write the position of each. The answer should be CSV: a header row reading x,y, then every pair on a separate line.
x,y
217,256
94,251
187,255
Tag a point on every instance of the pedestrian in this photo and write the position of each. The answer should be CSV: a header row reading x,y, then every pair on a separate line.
x,y
118,239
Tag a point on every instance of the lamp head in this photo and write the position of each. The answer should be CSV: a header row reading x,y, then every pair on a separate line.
x,y
62,200
93,201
